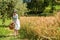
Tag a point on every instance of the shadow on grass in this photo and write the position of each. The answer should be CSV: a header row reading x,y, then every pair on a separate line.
x,y
3,25
4,36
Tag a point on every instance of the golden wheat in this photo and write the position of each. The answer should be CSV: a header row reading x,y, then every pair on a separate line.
x,y
46,26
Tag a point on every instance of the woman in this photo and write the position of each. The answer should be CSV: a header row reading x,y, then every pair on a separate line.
x,y
16,22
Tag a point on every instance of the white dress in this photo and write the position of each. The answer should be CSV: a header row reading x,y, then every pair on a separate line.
x,y
16,21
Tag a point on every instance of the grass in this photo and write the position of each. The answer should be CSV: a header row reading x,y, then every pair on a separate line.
x,y
5,32
47,28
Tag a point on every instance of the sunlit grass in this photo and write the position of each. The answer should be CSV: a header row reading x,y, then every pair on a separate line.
x,y
47,27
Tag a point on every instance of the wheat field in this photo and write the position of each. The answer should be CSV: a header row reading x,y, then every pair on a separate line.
x,y
47,27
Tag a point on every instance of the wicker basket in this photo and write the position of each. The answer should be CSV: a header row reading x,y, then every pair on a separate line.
x,y
11,26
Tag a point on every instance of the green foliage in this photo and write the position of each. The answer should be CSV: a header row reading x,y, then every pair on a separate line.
x,y
38,5
3,30
26,32
3,11
7,8
21,7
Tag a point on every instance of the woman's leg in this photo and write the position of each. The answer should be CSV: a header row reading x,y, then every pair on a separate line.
x,y
15,32
17,27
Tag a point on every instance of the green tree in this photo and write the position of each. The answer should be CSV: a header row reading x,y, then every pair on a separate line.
x,y
37,6
11,5
21,7
52,5
8,6
6,9
3,6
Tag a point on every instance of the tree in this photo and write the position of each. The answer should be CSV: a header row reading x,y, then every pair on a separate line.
x,y
10,9
3,6
21,7
6,9
52,4
37,6
8,6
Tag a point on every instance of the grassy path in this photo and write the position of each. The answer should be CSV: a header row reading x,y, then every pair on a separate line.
x,y
5,32
4,35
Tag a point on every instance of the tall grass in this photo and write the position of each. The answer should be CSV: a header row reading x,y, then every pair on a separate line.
x,y
42,28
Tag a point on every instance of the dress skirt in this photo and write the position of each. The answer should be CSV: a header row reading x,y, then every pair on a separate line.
x,y
17,25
